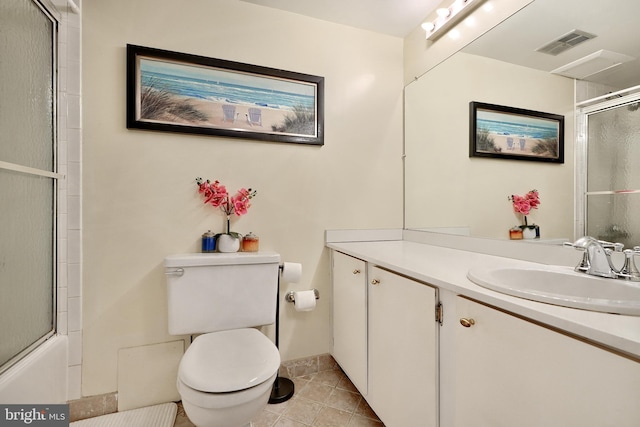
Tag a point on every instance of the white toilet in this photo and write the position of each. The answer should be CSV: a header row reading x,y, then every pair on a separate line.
x,y
226,375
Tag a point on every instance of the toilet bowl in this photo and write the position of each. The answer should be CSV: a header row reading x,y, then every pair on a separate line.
x,y
225,378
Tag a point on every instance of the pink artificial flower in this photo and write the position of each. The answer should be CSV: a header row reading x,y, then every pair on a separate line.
x,y
524,204
216,195
240,201
521,205
533,199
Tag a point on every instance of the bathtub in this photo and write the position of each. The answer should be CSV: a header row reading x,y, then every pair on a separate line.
x,y
40,377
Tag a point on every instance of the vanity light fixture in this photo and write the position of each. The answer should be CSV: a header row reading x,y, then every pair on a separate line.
x,y
448,17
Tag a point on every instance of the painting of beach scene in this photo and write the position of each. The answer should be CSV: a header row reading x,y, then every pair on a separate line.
x,y
171,91
513,133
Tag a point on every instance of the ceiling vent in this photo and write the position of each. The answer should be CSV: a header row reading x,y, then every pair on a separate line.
x,y
566,42
592,64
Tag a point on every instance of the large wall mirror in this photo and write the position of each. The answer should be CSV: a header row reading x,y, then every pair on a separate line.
x,y
447,190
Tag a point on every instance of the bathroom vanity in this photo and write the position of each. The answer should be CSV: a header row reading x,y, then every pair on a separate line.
x,y
423,344
395,368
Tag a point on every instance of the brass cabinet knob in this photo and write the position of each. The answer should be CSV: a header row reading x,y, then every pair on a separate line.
x,y
375,282
467,323
356,271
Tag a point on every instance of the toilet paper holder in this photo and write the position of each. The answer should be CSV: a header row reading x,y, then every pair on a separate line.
x,y
290,296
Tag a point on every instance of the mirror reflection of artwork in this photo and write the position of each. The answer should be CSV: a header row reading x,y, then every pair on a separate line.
x,y
514,133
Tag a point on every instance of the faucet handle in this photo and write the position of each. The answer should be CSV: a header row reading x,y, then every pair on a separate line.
x,y
581,245
629,270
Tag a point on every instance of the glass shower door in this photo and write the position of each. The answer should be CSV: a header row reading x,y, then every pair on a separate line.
x,y
613,173
28,178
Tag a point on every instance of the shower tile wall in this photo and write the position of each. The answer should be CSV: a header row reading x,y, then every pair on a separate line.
x,y
69,297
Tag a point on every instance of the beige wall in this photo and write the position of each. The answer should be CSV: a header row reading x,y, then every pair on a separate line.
x,y
140,202
447,188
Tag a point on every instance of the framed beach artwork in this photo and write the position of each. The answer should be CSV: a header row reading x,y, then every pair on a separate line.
x,y
178,92
514,133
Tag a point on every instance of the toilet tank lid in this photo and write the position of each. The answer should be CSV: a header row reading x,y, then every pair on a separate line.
x,y
235,258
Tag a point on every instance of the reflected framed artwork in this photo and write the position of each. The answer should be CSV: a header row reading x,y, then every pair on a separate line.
x,y
178,92
514,133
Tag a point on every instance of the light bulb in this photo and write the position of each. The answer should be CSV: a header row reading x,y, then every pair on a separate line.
x,y
428,26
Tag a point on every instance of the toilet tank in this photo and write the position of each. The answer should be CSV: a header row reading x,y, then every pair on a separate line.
x,y
221,291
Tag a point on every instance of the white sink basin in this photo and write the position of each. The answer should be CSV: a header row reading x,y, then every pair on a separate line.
x,y
562,286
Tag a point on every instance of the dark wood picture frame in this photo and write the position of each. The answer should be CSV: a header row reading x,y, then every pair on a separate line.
x,y
511,133
178,92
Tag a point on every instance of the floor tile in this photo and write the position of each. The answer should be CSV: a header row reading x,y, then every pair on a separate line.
x,y
323,399
358,421
303,410
316,391
331,417
344,400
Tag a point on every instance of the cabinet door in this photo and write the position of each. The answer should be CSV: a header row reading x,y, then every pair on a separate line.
x,y
402,350
512,372
350,318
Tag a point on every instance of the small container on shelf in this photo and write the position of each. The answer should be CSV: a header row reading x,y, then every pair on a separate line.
x,y
250,243
515,233
208,242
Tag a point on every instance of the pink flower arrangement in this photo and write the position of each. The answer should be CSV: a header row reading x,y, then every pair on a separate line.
x,y
524,204
217,196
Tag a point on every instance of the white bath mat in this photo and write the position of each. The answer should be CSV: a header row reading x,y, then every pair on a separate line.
x,y
163,415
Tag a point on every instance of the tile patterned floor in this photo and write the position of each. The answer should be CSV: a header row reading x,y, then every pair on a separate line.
x,y
323,399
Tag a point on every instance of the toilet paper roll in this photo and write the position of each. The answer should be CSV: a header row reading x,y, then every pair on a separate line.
x,y
304,300
291,272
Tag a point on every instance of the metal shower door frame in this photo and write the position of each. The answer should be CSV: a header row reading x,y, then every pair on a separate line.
x,y
583,111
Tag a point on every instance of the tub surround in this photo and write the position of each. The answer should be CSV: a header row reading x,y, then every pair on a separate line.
x,y
46,367
447,268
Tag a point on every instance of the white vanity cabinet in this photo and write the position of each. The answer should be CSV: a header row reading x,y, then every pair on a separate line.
x,y
349,277
403,350
512,372
385,340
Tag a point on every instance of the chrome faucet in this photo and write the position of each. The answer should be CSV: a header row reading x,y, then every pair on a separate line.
x,y
597,259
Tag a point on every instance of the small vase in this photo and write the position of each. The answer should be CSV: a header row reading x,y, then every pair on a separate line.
x,y
227,243
529,233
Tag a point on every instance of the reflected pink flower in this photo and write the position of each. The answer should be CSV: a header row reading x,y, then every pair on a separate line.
x,y
524,204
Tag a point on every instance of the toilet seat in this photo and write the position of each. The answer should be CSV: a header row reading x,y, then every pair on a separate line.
x,y
229,361
253,395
